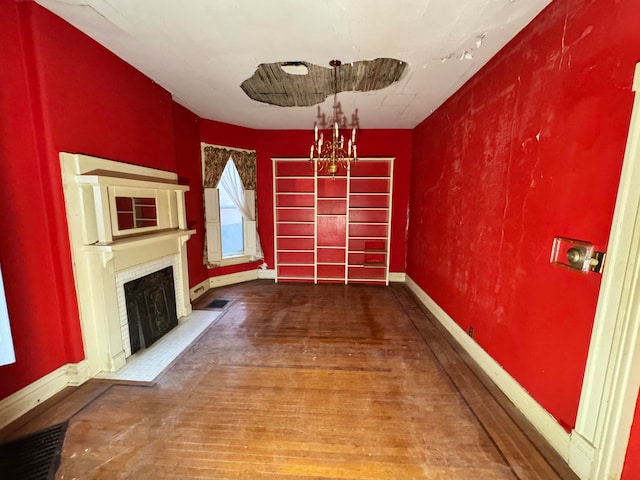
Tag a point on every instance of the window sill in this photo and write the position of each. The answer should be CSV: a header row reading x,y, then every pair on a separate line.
x,y
235,260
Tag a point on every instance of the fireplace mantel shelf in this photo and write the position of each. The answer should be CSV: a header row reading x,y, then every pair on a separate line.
x,y
129,181
139,240
105,255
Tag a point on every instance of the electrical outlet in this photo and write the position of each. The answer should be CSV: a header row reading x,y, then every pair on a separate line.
x,y
470,331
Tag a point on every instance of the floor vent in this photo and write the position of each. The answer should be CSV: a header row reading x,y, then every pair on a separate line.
x,y
217,304
33,457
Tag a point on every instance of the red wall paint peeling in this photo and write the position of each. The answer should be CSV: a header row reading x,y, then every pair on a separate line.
x,y
518,155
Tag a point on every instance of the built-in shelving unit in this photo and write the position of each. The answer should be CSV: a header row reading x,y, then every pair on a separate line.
x,y
295,220
370,189
331,226
332,229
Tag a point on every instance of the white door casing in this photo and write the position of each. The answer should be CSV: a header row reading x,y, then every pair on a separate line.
x,y
612,376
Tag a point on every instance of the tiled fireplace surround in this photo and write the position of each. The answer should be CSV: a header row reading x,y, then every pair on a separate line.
x,y
140,271
104,262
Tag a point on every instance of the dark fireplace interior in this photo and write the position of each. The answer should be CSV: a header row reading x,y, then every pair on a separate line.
x,y
151,307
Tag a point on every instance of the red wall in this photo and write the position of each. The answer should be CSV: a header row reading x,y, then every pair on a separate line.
x,y
528,149
189,168
61,91
295,143
632,462
520,154
34,309
373,143
227,135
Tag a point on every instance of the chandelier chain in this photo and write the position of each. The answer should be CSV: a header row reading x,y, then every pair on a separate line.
x,y
332,153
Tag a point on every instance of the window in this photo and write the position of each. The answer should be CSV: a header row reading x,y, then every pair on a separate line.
x,y
231,229
6,345
230,220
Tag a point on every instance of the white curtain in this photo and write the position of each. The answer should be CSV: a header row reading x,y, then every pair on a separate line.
x,y
230,182
6,344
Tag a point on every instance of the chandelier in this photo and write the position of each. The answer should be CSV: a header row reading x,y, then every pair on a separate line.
x,y
332,153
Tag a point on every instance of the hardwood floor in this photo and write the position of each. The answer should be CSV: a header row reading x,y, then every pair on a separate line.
x,y
299,381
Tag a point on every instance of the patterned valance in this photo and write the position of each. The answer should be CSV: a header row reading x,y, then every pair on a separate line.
x,y
215,159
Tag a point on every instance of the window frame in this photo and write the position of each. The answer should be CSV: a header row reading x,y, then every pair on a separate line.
x,y
7,352
232,207
213,230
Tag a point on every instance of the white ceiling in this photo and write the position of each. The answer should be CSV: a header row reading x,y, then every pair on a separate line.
x,y
202,50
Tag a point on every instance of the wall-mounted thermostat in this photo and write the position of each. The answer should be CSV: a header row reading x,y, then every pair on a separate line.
x,y
576,255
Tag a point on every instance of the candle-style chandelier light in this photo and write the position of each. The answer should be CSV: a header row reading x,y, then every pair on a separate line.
x,y
333,153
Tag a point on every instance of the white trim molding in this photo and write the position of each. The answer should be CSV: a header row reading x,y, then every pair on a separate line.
x,y
199,290
261,274
232,278
400,277
581,455
101,252
612,375
542,420
267,274
29,397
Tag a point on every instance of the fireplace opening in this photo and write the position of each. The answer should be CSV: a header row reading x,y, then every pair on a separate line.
x,y
151,307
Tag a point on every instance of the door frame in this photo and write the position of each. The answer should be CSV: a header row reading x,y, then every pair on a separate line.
x,y
612,376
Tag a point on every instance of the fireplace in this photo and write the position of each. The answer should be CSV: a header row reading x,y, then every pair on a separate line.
x,y
115,242
133,274
151,308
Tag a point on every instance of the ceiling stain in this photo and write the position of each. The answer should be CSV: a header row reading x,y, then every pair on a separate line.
x,y
271,84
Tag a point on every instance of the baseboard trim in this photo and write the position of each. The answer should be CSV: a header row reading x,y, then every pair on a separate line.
x,y
78,373
75,374
232,278
581,455
229,279
199,290
542,420
268,274
29,397
397,277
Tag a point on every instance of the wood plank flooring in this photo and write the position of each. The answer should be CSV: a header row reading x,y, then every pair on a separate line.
x,y
298,381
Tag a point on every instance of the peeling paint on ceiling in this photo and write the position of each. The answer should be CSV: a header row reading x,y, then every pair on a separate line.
x,y
280,84
201,51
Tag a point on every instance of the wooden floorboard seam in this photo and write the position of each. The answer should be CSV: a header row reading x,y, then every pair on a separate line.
x,y
303,382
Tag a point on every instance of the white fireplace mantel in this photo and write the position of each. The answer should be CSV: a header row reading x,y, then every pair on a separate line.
x,y
100,250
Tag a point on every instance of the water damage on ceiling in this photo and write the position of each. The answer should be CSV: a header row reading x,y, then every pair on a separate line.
x,y
302,84
202,51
